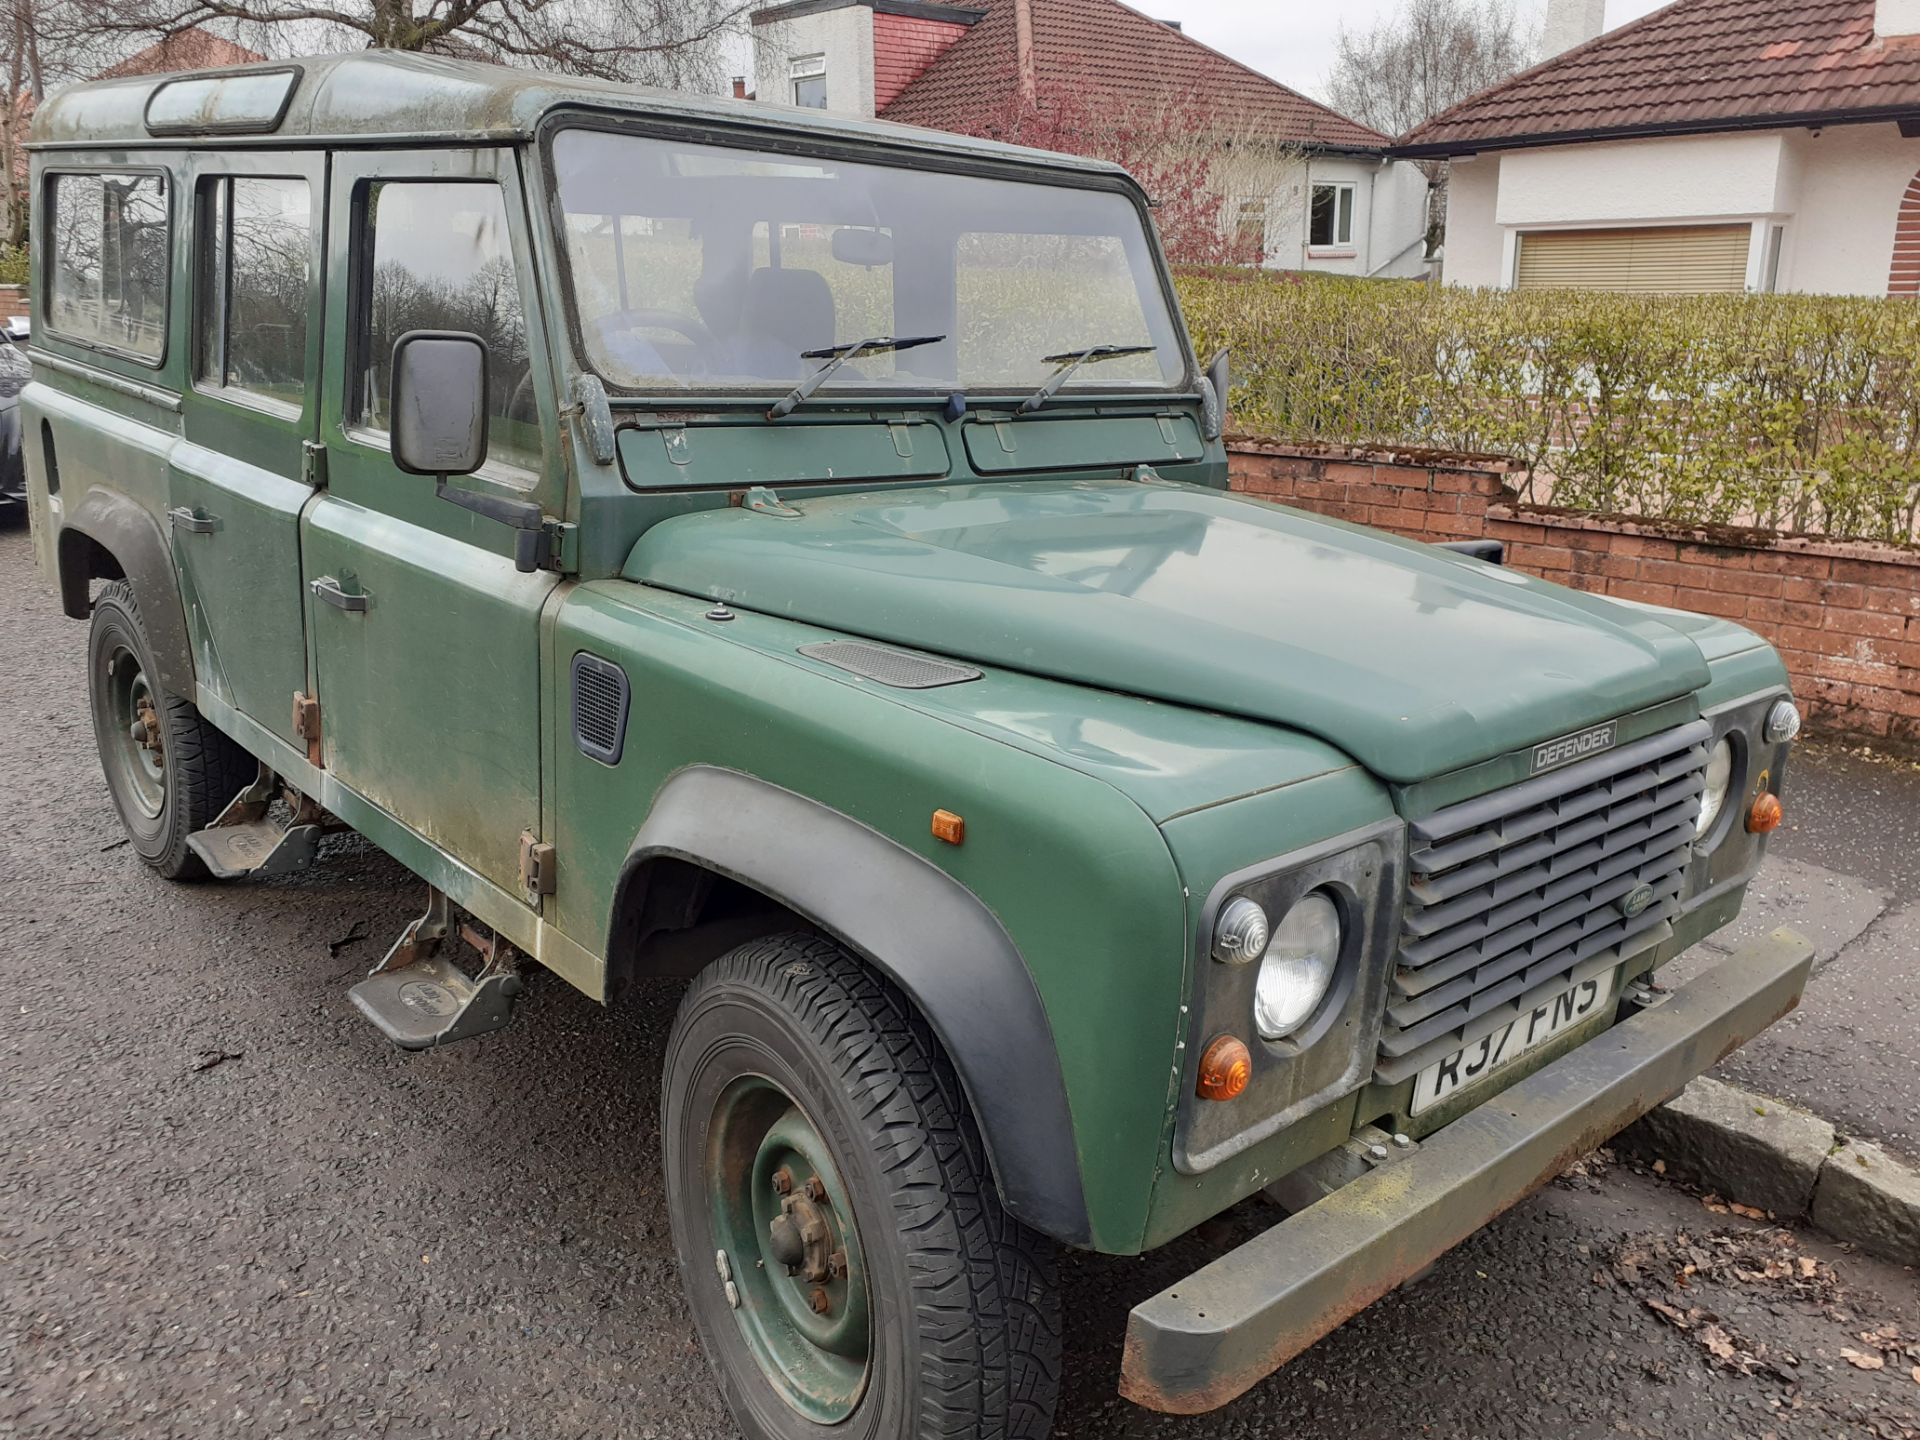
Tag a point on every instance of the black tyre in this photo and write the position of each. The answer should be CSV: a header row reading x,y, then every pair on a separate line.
x,y
849,1267
169,772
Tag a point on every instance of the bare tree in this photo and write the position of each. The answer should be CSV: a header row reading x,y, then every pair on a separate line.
x,y
675,43
1429,55
1217,180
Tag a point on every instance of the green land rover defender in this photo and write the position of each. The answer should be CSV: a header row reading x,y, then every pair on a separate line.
x,y
795,555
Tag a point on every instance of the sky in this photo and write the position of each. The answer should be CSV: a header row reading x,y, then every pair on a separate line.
x,y
1292,40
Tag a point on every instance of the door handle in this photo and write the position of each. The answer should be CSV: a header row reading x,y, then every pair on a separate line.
x,y
328,589
196,522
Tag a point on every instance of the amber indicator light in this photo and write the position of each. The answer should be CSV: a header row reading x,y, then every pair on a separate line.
x,y
1765,816
1225,1068
949,827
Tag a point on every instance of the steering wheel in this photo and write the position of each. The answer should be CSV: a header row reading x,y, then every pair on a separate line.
x,y
691,327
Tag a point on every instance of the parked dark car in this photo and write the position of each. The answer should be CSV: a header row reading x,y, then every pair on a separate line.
x,y
15,370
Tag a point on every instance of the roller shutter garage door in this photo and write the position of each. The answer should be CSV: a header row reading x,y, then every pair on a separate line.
x,y
1665,260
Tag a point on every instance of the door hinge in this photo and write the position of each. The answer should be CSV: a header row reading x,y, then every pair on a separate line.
x,y
313,464
537,868
306,725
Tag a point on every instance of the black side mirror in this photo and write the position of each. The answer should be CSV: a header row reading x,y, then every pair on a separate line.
x,y
437,404
1219,385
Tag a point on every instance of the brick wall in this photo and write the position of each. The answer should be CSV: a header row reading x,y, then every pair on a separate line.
x,y
13,302
1845,615
903,47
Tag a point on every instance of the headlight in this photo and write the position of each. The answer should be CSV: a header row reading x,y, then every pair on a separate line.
x,y
1783,722
1299,967
1719,786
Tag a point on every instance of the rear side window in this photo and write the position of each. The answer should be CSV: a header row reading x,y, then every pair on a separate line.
x,y
112,246
438,257
256,260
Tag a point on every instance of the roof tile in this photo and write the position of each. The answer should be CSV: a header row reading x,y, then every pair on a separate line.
x,y
1695,64
1113,56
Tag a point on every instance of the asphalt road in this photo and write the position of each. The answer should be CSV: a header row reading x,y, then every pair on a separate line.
x,y
228,1208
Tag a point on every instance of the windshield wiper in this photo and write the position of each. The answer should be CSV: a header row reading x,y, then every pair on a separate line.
x,y
838,355
1071,361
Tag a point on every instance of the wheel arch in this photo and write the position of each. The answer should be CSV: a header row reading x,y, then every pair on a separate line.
x,y
109,536
903,915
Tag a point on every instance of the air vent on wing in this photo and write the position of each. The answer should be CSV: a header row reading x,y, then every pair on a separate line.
x,y
599,708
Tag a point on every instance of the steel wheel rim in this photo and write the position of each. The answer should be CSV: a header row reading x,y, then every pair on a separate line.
x,y
817,1360
132,705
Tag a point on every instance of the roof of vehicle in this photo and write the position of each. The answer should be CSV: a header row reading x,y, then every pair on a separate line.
x,y
384,96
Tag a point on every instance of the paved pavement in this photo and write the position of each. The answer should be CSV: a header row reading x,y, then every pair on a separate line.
x,y
1845,871
228,1208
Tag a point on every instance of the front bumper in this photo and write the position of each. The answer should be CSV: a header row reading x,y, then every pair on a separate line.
x,y
1209,1338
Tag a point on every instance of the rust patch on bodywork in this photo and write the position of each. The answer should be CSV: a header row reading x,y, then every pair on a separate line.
x,y
1209,1338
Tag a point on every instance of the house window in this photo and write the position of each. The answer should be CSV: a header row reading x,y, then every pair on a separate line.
x,y
1662,260
810,82
1331,222
1250,229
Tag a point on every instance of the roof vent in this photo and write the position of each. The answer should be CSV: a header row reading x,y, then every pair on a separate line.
x,y
1894,18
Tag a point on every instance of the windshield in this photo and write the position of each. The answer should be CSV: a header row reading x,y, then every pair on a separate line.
x,y
702,267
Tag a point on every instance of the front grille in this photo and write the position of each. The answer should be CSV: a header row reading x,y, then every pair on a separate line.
x,y
1528,885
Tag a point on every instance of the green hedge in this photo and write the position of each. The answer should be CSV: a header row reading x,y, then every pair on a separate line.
x,y
1784,412
13,264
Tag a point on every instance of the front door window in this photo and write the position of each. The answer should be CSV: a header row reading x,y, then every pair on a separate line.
x,y
439,258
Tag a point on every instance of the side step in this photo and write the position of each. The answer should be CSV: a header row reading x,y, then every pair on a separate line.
x,y
419,999
242,841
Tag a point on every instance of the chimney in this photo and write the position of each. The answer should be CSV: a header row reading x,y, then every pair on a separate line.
x,y
1894,18
740,88
1574,22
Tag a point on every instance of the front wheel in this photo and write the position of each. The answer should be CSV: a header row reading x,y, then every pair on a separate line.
x,y
844,1253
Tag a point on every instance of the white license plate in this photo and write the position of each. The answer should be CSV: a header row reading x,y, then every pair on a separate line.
x,y
1551,1014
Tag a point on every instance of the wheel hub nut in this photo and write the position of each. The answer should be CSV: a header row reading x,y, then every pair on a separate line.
x,y
784,1242
782,1181
145,729
819,1301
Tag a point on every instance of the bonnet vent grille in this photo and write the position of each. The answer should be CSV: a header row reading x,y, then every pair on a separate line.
x,y
898,668
599,708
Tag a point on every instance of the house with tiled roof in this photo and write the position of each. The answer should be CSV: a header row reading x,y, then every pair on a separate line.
x,y
1714,145
1311,188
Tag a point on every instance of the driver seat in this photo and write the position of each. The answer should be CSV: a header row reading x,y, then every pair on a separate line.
x,y
786,312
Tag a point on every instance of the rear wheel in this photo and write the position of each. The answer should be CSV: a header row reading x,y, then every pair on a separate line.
x,y
169,772
845,1256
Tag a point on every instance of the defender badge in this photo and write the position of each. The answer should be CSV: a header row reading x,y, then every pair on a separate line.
x,y
1569,748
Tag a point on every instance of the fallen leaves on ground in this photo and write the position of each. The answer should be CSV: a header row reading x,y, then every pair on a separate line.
x,y
1671,1274
1666,1272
